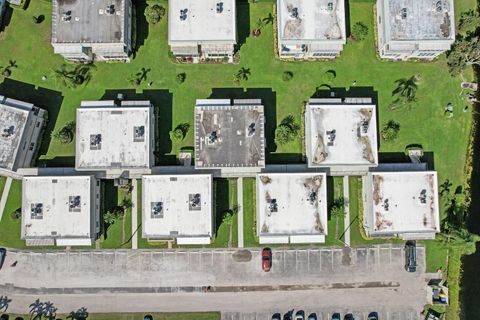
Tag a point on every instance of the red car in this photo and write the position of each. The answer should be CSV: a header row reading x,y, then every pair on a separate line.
x,y
266,259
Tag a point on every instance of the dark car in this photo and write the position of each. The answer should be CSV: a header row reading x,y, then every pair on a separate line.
x,y
312,316
410,256
276,316
348,316
373,316
3,254
266,259
336,316
300,315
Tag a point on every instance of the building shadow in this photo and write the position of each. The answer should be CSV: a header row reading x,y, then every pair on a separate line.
x,y
140,27
57,162
6,17
109,196
162,101
402,157
243,23
47,99
348,30
221,200
269,101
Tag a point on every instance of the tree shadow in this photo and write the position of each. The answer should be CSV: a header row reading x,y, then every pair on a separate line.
x,y
79,314
162,100
141,27
222,197
46,99
109,203
243,23
269,101
4,303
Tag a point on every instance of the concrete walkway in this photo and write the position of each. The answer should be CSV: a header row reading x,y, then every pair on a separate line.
x,y
134,215
6,191
240,211
347,210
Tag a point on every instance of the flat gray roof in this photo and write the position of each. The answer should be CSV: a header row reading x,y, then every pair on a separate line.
x,y
58,206
311,19
13,118
341,134
292,204
405,202
229,135
113,137
420,19
202,21
177,205
88,21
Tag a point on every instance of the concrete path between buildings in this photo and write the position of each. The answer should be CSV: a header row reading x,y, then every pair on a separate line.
x,y
347,210
134,214
240,211
6,191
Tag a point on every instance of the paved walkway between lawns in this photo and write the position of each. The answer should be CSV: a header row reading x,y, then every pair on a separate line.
x,y
347,210
6,191
240,211
134,214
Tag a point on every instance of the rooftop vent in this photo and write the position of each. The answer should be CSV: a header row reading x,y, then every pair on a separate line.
x,y
330,6
385,205
8,132
195,202
403,13
364,127
312,197
183,14
95,141
212,138
219,7
67,16
74,204
294,13
251,129
157,210
36,211
110,10
139,134
439,6
423,196
273,207
331,135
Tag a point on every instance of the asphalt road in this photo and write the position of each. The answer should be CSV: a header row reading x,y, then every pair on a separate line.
x,y
127,280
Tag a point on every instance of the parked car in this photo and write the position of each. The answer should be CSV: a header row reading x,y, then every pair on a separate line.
x,y
277,316
410,256
3,254
336,316
266,259
348,316
373,316
147,317
312,316
300,315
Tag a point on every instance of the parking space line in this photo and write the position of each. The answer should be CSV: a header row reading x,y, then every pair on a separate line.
x,y
296,260
320,259
378,255
332,259
308,260
283,260
224,261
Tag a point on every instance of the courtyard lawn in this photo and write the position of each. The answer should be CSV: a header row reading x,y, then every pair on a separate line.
x,y
10,228
249,213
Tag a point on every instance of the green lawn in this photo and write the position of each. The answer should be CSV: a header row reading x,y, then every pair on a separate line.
x,y
10,228
119,234
139,316
2,184
249,213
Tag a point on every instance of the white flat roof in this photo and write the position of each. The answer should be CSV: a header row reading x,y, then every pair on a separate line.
x,y
291,204
202,21
13,118
112,137
56,206
343,134
169,209
405,202
311,19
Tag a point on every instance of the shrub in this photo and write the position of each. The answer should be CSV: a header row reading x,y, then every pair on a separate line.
x,y
359,31
154,13
176,134
390,130
17,214
286,131
66,134
181,77
287,76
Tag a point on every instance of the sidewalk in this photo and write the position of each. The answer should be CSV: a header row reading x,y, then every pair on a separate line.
x,y
134,214
240,211
347,210
6,191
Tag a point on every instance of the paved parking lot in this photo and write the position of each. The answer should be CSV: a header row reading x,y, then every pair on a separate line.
x,y
326,314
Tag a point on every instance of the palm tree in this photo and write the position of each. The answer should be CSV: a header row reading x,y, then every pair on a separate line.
x,y
242,74
337,211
